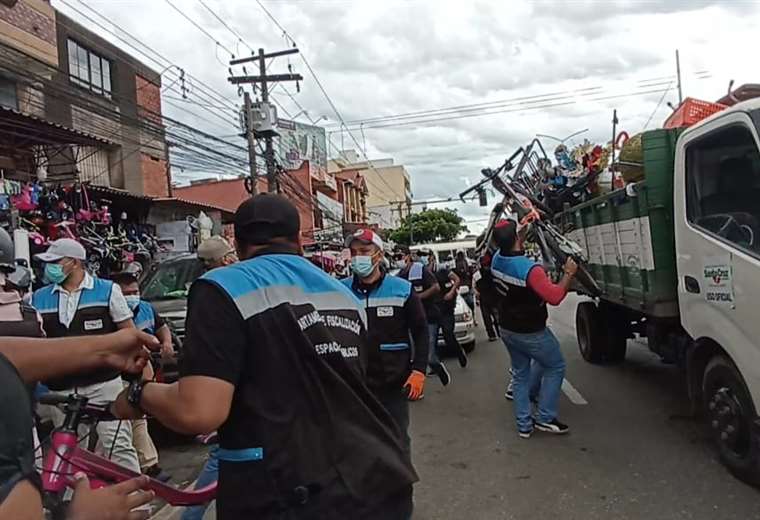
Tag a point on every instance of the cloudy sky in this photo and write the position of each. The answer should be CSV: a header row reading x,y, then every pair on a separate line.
x,y
544,67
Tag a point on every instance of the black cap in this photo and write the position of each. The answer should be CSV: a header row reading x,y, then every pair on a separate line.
x,y
266,216
505,234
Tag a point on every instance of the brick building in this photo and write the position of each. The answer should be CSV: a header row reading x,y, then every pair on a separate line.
x,y
86,110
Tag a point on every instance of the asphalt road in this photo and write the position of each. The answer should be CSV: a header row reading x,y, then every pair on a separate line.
x,y
632,453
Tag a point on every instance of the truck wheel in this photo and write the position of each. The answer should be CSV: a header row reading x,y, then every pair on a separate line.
x,y
730,412
601,337
591,340
616,331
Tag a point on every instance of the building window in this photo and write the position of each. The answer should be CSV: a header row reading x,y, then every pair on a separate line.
x,y
89,70
723,186
8,96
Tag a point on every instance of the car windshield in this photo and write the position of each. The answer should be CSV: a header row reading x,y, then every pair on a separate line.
x,y
171,280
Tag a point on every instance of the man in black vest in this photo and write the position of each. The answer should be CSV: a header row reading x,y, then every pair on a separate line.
x,y
396,369
275,358
78,304
538,366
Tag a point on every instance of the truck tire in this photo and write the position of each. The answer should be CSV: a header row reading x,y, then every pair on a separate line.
x,y
599,338
730,412
616,329
591,340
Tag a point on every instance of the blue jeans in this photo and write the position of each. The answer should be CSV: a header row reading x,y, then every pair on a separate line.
x,y
539,368
209,474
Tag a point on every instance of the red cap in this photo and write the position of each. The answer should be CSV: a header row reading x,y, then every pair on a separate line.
x,y
366,236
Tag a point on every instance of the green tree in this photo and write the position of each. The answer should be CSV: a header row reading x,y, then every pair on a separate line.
x,y
431,225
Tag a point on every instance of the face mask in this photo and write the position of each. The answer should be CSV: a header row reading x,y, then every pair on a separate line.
x,y
362,266
133,300
424,260
54,273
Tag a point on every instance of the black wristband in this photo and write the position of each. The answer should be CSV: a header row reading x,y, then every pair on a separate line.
x,y
134,393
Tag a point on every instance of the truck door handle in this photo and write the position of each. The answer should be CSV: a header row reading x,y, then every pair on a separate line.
x,y
691,284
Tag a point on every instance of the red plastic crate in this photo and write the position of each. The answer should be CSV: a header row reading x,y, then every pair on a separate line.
x,y
692,111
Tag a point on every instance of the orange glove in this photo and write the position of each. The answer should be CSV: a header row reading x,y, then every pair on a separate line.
x,y
415,384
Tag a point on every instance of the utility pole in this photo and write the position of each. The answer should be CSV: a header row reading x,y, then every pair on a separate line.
x,y
678,75
248,107
262,116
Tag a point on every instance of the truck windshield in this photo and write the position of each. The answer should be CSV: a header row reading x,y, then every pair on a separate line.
x,y
172,280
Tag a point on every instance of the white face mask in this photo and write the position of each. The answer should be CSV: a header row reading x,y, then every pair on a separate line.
x,y
133,300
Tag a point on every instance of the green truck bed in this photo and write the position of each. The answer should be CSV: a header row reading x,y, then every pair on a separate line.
x,y
629,240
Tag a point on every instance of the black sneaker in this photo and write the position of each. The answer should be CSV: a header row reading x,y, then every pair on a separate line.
x,y
157,473
554,426
492,338
443,374
509,394
462,355
525,434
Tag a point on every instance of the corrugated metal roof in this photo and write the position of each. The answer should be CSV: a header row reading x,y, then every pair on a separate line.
x,y
192,203
59,133
117,192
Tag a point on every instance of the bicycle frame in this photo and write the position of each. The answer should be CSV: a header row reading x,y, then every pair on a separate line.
x,y
65,458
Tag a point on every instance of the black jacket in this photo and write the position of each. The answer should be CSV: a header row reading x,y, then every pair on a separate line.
x,y
394,316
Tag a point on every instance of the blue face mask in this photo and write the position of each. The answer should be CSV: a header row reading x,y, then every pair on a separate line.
x,y
54,273
362,266
133,300
424,260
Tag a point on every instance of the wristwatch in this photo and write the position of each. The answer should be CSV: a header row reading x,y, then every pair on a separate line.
x,y
134,393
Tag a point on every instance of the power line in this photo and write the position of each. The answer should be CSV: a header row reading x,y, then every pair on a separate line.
x,y
199,27
239,38
327,97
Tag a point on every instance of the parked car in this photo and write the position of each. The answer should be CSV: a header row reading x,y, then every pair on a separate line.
x,y
166,286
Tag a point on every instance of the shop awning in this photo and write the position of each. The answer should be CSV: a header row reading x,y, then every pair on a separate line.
x,y
23,130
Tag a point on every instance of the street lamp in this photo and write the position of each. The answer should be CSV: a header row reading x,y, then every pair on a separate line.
x,y
562,141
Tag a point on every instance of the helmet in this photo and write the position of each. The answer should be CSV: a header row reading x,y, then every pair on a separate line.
x,y
7,252
21,277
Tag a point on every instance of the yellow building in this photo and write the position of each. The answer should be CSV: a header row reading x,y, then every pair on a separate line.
x,y
389,190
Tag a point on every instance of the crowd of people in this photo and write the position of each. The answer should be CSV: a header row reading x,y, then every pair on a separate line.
x,y
305,379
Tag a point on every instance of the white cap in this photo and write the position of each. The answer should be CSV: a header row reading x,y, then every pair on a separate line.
x,y
63,248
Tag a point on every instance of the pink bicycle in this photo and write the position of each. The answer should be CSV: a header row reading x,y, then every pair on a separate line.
x,y
65,458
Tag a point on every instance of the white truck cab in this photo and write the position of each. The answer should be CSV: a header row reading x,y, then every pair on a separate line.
x,y
717,233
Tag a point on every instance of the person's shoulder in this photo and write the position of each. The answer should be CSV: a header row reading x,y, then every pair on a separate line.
x,y
397,283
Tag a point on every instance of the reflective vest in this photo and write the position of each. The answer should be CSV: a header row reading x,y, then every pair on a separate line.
x,y
92,317
145,317
520,309
305,434
389,354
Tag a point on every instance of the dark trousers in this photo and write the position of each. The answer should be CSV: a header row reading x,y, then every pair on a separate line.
x,y
446,324
397,405
490,319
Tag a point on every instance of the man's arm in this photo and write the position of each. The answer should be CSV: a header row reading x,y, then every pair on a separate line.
x,y
22,503
213,359
41,358
431,282
551,293
163,333
418,328
456,282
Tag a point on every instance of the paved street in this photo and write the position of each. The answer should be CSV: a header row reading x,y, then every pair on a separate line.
x,y
632,452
